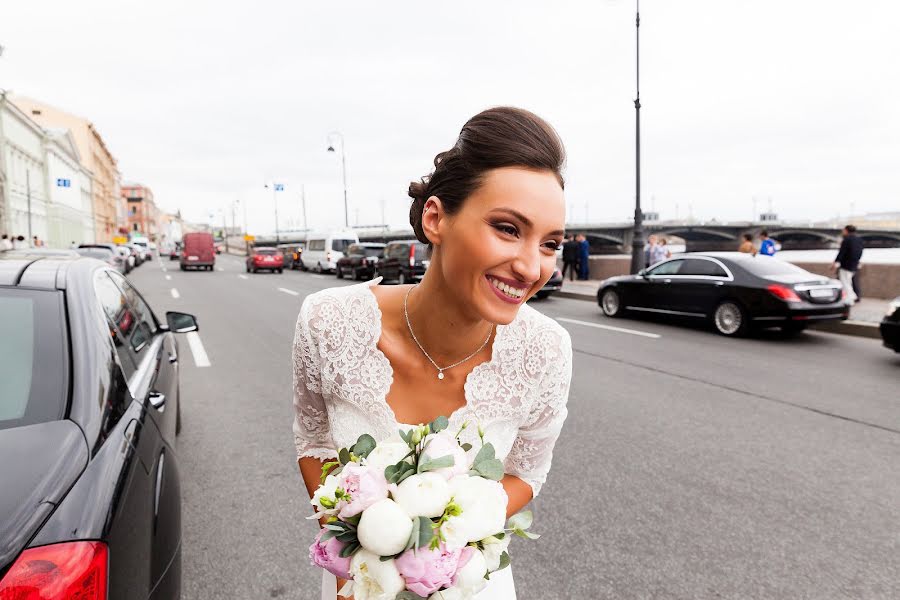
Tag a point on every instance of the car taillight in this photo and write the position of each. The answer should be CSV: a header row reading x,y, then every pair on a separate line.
x,y
783,292
328,257
68,571
412,255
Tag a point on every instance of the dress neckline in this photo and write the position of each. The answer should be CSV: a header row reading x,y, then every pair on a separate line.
x,y
500,330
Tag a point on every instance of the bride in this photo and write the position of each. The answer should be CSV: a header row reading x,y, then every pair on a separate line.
x,y
461,343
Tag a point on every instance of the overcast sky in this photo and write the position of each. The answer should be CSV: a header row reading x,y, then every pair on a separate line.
x,y
790,100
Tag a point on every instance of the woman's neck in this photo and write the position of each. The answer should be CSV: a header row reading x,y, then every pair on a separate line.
x,y
447,329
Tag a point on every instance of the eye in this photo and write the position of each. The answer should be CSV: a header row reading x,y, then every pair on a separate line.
x,y
507,229
553,244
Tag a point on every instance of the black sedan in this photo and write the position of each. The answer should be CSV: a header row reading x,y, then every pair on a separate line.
x,y
735,292
89,409
890,326
360,261
554,284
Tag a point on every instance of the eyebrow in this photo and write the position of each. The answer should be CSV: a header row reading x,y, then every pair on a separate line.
x,y
525,220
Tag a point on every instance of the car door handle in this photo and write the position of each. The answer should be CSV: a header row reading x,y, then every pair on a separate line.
x,y
156,399
667,281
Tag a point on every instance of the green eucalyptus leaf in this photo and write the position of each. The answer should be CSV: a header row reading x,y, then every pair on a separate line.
x,y
363,446
347,536
413,536
439,424
504,561
407,595
431,464
350,549
485,453
473,473
336,526
344,456
327,535
467,446
520,520
490,469
426,532
403,476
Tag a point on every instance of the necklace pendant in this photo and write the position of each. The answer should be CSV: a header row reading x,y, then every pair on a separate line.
x,y
440,374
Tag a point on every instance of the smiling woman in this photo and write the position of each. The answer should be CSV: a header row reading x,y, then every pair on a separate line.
x,y
462,343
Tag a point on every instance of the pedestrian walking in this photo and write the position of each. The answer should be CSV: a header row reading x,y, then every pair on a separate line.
x,y
36,242
570,257
766,244
846,263
857,289
19,243
584,253
5,244
648,250
747,246
660,252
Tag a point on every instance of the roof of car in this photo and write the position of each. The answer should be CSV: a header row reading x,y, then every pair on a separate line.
x,y
35,271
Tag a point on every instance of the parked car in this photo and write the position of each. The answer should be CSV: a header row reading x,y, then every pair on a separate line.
x,y
177,247
91,504
137,252
125,253
105,252
219,244
291,255
890,326
198,251
360,261
735,292
143,245
404,261
324,250
265,259
554,284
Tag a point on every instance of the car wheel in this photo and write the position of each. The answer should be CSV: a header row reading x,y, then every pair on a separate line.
x,y
611,303
542,295
339,272
402,278
183,268
319,268
280,271
248,268
730,319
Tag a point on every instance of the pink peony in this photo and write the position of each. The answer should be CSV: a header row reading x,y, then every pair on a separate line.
x,y
465,555
426,571
365,486
328,556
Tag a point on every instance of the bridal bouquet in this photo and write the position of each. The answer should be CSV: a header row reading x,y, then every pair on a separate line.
x,y
414,517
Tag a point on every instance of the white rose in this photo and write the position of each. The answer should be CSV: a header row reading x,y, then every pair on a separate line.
x,y
326,490
493,549
470,579
483,503
444,444
374,579
384,528
386,454
424,495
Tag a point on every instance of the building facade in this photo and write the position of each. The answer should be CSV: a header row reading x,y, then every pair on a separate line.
x,y
70,212
23,189
142,217
94,156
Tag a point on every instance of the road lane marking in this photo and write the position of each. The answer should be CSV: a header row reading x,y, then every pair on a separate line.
x,y
200,357
221,268
610,328
287,291
242,276
164,269
316,275
175,293
168,278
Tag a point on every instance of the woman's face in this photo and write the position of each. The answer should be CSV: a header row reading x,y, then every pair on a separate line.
x,y
500,248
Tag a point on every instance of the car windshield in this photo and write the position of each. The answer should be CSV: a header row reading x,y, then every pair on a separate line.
x,y
98,253
766,266
376,252
32,383
267,251
421,251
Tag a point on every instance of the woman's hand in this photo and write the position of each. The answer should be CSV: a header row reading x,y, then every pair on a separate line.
x,y
340,584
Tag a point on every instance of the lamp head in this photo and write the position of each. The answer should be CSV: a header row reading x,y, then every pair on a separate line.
x,y
330,148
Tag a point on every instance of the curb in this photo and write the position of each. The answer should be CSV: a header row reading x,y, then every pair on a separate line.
x,y
862,329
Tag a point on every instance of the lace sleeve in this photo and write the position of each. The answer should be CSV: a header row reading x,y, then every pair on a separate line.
x,y
312,431
531,453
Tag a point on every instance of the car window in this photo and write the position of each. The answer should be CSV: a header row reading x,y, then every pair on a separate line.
x,y
33,375
341,245
121,320
399,251
317,244
145,321
700,267
267,251
98,253
376,252
421,251
667,268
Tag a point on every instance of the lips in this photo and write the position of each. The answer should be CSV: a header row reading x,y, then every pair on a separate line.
x,y
505,291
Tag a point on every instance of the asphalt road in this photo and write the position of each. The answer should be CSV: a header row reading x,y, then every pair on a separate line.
x,y
691,466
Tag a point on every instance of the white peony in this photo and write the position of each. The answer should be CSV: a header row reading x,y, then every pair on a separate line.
x,y
424,495
493,549
326,490
386,454
469,580
374,579
384,528
483,503
441,444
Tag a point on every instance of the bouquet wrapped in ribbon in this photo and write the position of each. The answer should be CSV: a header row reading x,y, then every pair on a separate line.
x,y
414,517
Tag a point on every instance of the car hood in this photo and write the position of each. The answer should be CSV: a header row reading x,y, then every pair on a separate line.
x,y
40,464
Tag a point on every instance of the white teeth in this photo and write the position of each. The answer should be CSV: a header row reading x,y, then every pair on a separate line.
x,y
507,289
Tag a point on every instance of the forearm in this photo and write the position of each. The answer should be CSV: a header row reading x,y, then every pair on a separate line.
x,y
518,492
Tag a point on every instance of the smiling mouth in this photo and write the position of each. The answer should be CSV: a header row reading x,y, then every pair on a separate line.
x,y
509,291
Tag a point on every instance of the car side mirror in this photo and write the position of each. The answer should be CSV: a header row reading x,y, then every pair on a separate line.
x,y
180,322
643,273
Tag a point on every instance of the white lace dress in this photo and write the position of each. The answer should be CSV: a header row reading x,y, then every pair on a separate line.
x,y
342,378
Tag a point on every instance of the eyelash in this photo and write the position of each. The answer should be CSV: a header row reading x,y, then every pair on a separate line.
x,y
511,230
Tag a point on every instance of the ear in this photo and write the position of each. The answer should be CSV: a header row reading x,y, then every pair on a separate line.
x,y
433,220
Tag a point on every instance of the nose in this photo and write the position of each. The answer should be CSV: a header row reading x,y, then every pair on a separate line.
x,y
527,265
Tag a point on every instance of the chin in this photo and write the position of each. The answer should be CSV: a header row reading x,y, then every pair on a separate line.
x,y
494,309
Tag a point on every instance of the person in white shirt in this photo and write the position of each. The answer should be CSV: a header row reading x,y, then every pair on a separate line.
x,y
5,244
19,243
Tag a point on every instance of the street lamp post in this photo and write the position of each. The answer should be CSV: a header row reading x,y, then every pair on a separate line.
x,y
276,187
637,238
343,170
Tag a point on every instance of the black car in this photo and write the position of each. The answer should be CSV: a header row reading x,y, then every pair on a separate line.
x,y
89,409
554,284
734,291
404,261
360,260
890,326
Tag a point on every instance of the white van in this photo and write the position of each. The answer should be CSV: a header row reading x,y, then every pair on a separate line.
x,y
324,249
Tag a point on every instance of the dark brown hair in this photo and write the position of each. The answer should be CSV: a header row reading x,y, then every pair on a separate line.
x,y
492,139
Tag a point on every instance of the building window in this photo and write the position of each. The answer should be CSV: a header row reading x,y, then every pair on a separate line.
x,y
135,227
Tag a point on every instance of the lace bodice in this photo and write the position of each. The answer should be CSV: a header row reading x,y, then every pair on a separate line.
x,y
342,379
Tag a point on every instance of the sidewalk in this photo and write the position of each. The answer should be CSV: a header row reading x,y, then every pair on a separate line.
x,y
864,316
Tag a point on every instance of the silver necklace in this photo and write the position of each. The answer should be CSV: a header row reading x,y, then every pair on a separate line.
x,y
416,340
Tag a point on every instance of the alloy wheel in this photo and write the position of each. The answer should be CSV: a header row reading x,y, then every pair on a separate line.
x,y
729,318
609,302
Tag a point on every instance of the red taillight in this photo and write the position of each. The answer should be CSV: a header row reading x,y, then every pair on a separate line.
x,y
68,571
328,257
783,292
412,255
